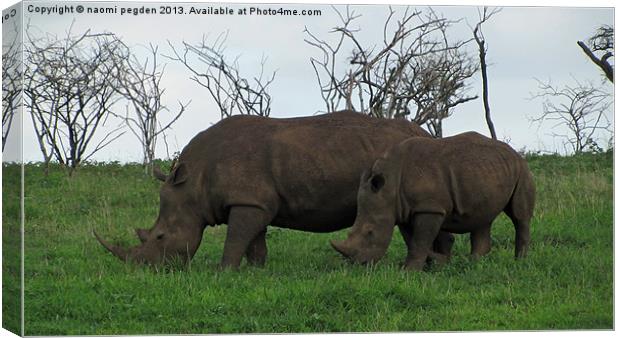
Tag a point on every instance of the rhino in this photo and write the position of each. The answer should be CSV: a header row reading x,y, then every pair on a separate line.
x,y
457,184
249,172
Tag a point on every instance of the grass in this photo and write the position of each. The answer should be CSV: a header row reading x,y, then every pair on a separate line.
x,y
11,249
73,287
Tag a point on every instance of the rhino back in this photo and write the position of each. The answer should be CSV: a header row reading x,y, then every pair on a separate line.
x,y
304,170
469,176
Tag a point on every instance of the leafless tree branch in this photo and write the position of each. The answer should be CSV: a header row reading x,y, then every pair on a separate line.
x,y
484,16
602,42
11,83
415,72
581,109
140,84
70,87
233,93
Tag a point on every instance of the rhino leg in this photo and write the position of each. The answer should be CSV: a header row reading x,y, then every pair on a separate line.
x,y
407,234
522,237
441,249
443,243
424,229
244,225
257,250
520,209
520,217
480,241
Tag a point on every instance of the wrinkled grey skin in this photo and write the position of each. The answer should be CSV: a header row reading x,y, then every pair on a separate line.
x,y
248,172
458,184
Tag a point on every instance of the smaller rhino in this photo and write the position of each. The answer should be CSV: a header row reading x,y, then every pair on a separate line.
x,y
458,184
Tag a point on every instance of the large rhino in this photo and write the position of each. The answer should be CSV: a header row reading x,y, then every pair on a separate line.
x,y
248,172
458,184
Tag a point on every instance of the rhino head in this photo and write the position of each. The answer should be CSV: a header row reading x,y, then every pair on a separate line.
x,y
178,229
370,236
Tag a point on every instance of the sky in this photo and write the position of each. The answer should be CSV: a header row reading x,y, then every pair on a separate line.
x,y
524,44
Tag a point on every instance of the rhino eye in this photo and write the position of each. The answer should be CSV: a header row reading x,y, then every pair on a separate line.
x,y
160,236
377,182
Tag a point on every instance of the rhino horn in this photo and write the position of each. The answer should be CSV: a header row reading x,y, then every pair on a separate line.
x,y
121,253
159,174
142,234
343,248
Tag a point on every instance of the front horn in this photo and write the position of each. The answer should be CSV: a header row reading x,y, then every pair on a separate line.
x,y
342,248
121,253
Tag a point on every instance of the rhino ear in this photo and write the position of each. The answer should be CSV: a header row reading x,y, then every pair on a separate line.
x,y
179,174
377,182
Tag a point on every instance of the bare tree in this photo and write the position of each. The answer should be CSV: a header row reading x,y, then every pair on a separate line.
x,y
602,42
233,93
483,16
11,84
69,85
581,108
140,84
415,69
439,87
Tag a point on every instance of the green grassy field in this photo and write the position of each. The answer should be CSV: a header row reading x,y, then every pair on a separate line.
x,y
73,286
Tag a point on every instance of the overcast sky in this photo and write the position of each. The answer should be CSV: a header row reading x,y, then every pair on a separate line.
x,y
524,43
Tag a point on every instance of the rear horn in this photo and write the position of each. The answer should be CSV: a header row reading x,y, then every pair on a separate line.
x,y
159,174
